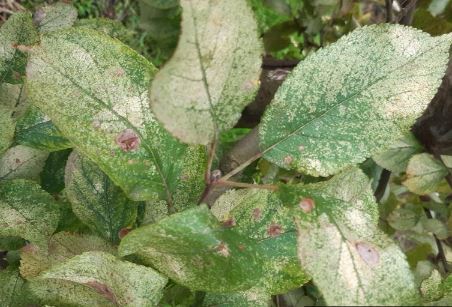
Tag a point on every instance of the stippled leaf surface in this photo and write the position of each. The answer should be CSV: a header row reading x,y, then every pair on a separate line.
x,y
249,298
10,96
353,98
396,157
351,261
195,250
96,200
111,123
17,30
10,287
260,216
113,28
214,72
27,211
22,162
424,173
54,17
122,283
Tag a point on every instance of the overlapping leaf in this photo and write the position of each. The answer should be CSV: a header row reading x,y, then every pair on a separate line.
x,y
22,162
54,17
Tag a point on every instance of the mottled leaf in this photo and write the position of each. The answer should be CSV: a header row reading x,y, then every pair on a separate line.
x,y
113,28
96,200
52,176
10,95
111,123
22,162
10,287
430,288
424,174
122,283
250,298
213,73
351,261
352,99
54,17
27,211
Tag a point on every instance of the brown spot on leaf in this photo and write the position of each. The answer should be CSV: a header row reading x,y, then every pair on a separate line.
x,y
257,214
368,253
128,140
274,230
119,72
288,160
241,247
306,204
123,232
229,223
103,290
222,249
17,161
215,175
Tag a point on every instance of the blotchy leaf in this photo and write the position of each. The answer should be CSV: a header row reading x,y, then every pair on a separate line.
x,y
424,174
111,123
351,261
10,98
22,162
122,283
54,17
113,28
353,98
97,201
27,211
213,73
250,298
10,287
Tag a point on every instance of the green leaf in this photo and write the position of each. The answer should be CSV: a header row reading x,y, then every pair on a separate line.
x,y
10,98
36,130
213,74
27,211
13,98
424,174
351,261
122,283
162,4
22,162
431,289
7,126
195,250
17,30
113,28
54,17
346,102
437,7
52,176
396,157
97,201
111,123
162,24
10,287
250,298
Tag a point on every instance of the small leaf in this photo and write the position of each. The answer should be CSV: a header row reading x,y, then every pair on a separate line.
x,y
122,283
213,74
54,17
97,201
22,162
346,102
424,174
249,298
431,289
27,211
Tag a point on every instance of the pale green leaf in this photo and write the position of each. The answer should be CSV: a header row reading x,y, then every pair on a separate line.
x,y
424,174
249,298
213,74
162,24
97,201
437,7
54,17
351,261
27,211
447,160
111,123
10,287
352,99
430,288
22,162
10,97
123,283
395,158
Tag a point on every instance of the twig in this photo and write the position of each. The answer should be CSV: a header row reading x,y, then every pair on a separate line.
x,y
441,255
270,187
388,6
382,183
211,156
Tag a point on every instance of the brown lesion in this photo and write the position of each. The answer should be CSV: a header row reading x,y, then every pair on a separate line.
x,y
103,290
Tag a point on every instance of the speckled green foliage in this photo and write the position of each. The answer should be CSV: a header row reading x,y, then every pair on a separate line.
x,y
27,211
10,96
22,162
352,99
424,173
10,287
351,261
195,250
95,90
96,200
109,27
260,216
54,17
122,283
250,298
214,72
36,130
17,30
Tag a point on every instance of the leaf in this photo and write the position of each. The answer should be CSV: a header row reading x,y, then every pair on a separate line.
x,y
10,287
437,7
96,200
351,261
54,17
52,176
27,211
347,101
431,287
162,23
111,123
22,162
122,283
396,157
424,174
162,4
250,298
17,30
213,73
10,95
113,28
36,130
195,250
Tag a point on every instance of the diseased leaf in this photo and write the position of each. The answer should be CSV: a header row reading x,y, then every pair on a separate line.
x,y
396,157
424,174
27,211
97,201
10,96
431,289
348,102
113,28
122,283
250,298
22,162
111,123
351,261
10,287
13,98
52,176
213,74
54,17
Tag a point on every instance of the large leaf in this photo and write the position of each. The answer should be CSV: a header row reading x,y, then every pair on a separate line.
x,y
55,17
353,98
424,174
111,123
213,73
10,287
27,211
351,261
96,200
250,298
22,162
123,283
